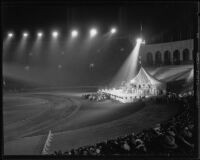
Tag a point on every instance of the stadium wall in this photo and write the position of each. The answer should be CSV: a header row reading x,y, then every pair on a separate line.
x,y
170,53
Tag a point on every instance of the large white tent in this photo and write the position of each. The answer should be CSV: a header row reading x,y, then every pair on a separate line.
x,y
142,85
147,83
144,78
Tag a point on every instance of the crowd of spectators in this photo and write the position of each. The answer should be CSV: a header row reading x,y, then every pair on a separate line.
x,y
98,96
173,137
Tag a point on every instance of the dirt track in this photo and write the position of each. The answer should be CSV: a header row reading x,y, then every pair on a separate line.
x,y
73,121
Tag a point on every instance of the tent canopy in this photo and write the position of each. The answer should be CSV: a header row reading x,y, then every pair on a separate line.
x,y
191,76
143,77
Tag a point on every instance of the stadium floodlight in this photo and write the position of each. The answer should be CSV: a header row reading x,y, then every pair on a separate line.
x,y
140,41
113,30
25,34
93,32
10,34
55,34
74,33
39,34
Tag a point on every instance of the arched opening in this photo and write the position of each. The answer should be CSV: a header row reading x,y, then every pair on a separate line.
x,y
176,57
167,57
149,58
186,55
158,60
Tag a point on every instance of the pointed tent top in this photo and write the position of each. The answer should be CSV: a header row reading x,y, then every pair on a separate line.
x,y
144,77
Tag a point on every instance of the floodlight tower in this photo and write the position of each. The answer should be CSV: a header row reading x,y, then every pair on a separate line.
x,y
141,35
140,41
141,30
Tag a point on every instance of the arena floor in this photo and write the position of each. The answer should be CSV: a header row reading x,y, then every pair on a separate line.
x,y
74,122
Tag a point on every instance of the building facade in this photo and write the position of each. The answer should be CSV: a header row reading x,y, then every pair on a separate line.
x,y
170,53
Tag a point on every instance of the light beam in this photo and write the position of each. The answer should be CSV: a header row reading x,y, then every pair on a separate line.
x,y
129,68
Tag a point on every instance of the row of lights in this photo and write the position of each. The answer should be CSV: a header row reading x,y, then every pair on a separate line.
x,y
74,33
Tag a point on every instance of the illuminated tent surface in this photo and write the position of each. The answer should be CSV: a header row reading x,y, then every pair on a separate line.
x,y
188,76
143,77
191,75
189,85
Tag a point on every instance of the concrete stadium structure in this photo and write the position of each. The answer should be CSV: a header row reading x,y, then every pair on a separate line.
x,y
176,53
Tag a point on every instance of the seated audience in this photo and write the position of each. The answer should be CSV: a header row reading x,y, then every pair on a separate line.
x,y
172,137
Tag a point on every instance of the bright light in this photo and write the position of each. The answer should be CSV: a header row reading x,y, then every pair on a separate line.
x,y
55,34
40,34
74,33
10,35
140,41
129,68
93,32
25,34
113,30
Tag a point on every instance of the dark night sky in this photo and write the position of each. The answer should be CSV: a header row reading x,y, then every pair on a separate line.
x,y
157,18
161,21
